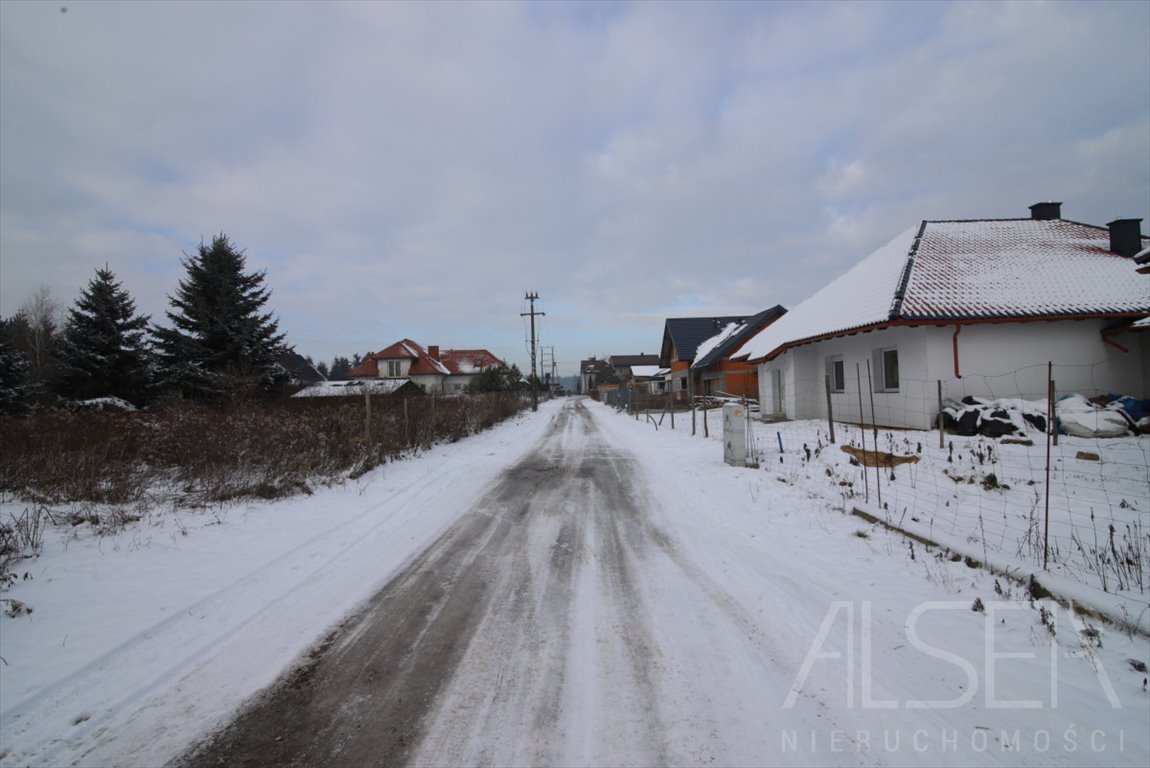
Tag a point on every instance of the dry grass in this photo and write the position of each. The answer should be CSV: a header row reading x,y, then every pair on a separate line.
x,y
211,453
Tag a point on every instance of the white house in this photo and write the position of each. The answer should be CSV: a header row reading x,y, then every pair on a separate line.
x,y
978,307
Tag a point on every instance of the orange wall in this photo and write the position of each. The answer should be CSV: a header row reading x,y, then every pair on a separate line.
x,y
741,379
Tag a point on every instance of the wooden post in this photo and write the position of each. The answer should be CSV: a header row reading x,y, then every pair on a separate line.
x,y
367,416
862,429
1050,430
1053,408
691,398
941,427
706,428
874,426
830,414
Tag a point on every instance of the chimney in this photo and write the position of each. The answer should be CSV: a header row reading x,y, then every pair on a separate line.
x,y
1126,236
1046,211
434,352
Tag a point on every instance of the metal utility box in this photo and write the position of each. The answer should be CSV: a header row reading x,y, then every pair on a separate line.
x,y
735,434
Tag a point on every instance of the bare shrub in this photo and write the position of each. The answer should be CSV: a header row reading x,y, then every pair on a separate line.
x,y
266,448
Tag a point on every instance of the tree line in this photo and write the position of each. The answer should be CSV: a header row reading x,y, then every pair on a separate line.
x,y
218,339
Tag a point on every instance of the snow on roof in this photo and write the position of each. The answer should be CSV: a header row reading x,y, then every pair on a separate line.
x,y
647,371
466,362
685,334
728,341
705,348
354,387
965,269
968,270
862,296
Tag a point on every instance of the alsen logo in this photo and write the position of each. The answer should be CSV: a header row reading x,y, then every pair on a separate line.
x,y
993,659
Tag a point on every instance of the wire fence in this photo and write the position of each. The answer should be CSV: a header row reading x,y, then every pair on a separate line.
x,y
1014,492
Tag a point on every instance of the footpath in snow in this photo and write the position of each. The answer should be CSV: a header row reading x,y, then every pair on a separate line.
x,y
857,645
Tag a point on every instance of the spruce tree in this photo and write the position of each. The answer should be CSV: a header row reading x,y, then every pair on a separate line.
x,y
103,350
339,368
15,387
219,332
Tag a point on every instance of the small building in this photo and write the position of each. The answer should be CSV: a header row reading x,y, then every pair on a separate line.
x,y
650,378
360,387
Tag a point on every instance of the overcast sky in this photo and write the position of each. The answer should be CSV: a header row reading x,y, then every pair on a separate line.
x,y
412,170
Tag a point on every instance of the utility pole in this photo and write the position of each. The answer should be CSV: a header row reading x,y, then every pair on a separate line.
x,y
533,297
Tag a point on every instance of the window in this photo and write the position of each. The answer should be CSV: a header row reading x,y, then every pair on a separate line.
x,y
394,369
836,373
886,375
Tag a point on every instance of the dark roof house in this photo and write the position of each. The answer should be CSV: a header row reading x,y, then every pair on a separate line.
x,y
683,335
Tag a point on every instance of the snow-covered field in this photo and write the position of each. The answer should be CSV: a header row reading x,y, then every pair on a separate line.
x,y
142,640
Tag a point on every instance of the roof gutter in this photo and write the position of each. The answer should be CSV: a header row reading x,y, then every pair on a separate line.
x,y
1106,333
940,321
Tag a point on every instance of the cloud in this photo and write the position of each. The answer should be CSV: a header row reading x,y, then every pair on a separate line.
x,y
412,169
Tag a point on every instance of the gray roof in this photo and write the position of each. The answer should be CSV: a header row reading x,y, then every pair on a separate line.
x,y
687,333
626,361
747,328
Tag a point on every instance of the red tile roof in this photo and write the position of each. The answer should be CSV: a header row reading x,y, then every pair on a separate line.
x,y
464,362
423,364
451,362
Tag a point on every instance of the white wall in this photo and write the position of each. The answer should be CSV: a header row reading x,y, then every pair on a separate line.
x,y
995,361
432,384
1011,360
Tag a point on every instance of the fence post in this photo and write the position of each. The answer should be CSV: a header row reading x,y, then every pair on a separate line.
x,y
1049,431
367,416
830,414
874,426
862,429
406,425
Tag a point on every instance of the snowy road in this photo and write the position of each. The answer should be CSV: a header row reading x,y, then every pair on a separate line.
x,y
545,627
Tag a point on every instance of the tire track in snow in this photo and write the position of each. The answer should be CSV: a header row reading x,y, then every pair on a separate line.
x,y
91,706
555,623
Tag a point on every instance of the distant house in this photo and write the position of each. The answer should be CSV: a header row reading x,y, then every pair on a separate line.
x,y
714,368
979,307
589,371
435,372
299,371
622,364
650,378
718,338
